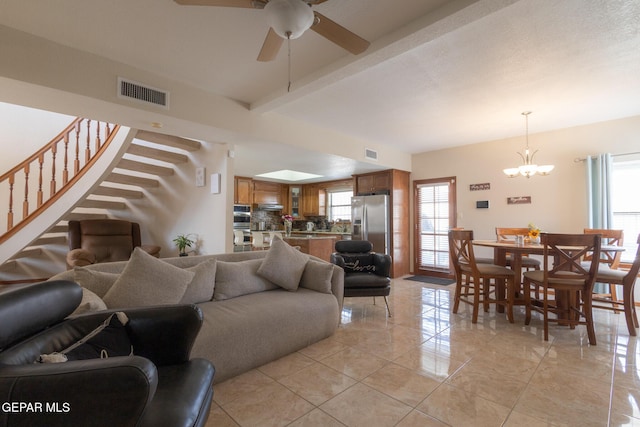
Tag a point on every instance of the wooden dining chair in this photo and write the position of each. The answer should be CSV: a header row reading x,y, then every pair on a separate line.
x,y
570,279
474,280
509,234
627,280
611,260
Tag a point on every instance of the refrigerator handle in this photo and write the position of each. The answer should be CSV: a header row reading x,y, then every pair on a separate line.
x,y
365,227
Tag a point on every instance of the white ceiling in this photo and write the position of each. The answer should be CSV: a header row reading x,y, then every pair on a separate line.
x,y
437,74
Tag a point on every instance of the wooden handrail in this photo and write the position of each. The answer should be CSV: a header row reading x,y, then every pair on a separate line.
x,y
55,168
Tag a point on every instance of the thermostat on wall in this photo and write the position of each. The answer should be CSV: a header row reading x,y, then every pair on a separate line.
x,y
482,204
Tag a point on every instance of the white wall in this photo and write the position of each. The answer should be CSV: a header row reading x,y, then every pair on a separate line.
x,y
192,210
24,129
559,201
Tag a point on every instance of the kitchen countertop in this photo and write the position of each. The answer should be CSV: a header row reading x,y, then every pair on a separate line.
x,y
308,237
320,232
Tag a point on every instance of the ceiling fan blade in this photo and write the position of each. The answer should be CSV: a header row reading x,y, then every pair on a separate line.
x,y
270,47
339,35
223,3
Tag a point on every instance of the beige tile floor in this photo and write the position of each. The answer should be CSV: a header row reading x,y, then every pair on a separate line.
x,y
428,367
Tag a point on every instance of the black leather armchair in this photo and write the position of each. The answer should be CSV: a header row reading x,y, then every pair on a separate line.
x,y
159,386
366,273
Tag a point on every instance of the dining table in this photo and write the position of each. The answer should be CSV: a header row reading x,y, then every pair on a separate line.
x,y
502,248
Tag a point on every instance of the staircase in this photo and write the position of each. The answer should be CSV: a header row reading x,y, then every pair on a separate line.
x,y
123,193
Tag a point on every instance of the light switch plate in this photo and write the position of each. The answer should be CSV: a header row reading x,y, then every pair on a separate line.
x,y
200,177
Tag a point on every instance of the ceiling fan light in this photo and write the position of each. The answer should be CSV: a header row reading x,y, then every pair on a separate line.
x,y
289,18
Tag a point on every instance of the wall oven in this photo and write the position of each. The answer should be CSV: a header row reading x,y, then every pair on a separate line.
x,y
241,217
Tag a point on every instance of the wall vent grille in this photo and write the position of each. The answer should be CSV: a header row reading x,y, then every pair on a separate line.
x,y
134,90
370,154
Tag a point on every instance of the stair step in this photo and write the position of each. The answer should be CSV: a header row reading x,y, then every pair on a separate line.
x,y
132,180
102,204
136,166
118,192
79,216
28,252
58,228
8,266
157,154
168,140
49,240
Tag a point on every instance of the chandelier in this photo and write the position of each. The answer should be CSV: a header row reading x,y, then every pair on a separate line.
x,y
529,168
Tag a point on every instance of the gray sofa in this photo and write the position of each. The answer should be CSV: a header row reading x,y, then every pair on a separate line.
x,y
247,327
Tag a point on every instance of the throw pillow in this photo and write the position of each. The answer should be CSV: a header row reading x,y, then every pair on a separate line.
x,y
110,339
234,279
317,276
147,280
200,289
90,303
96,281
283,264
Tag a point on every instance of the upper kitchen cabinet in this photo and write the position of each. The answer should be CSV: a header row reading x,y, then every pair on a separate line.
x,y
311,200
294,202
265,192
314,200
242,190
377,182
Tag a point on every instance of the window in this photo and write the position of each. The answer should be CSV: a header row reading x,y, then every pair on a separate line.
x,y
340,205
625,205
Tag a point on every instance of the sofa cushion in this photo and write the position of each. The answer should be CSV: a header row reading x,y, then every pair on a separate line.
x,y
90,303
283,264
317,276
200,289
96,281
234,279
147,281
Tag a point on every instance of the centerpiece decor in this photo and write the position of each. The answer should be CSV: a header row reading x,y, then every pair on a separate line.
x,y
534,233
288,223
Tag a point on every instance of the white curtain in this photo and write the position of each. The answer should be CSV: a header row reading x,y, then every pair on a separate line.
x,y
599,191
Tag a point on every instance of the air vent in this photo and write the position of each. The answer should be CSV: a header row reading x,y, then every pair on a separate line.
x,y
134,90
370,154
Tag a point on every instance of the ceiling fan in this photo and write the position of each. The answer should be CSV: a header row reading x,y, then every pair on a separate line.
x,y
288,20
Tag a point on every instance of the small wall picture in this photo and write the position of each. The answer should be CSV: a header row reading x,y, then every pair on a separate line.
x,y
479,187
519,200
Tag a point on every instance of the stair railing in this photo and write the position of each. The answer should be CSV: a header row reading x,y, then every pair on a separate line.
x,y
58,165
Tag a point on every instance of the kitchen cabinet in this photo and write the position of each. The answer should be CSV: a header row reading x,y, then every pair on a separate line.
x,y
295,201
242,190
377,182
311,200
395,183
321,247
267,192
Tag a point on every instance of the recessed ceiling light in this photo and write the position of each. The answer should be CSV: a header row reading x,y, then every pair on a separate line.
x,y
289,175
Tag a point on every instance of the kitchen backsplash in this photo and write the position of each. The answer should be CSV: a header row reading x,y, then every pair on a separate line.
x,y
269,220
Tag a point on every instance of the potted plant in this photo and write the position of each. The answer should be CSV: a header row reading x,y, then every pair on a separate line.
x,y
182,241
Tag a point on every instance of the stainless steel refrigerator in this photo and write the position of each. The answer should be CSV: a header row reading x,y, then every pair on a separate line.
x,y
370,221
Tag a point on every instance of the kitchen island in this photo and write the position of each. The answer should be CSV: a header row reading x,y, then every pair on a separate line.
x,y
321,247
